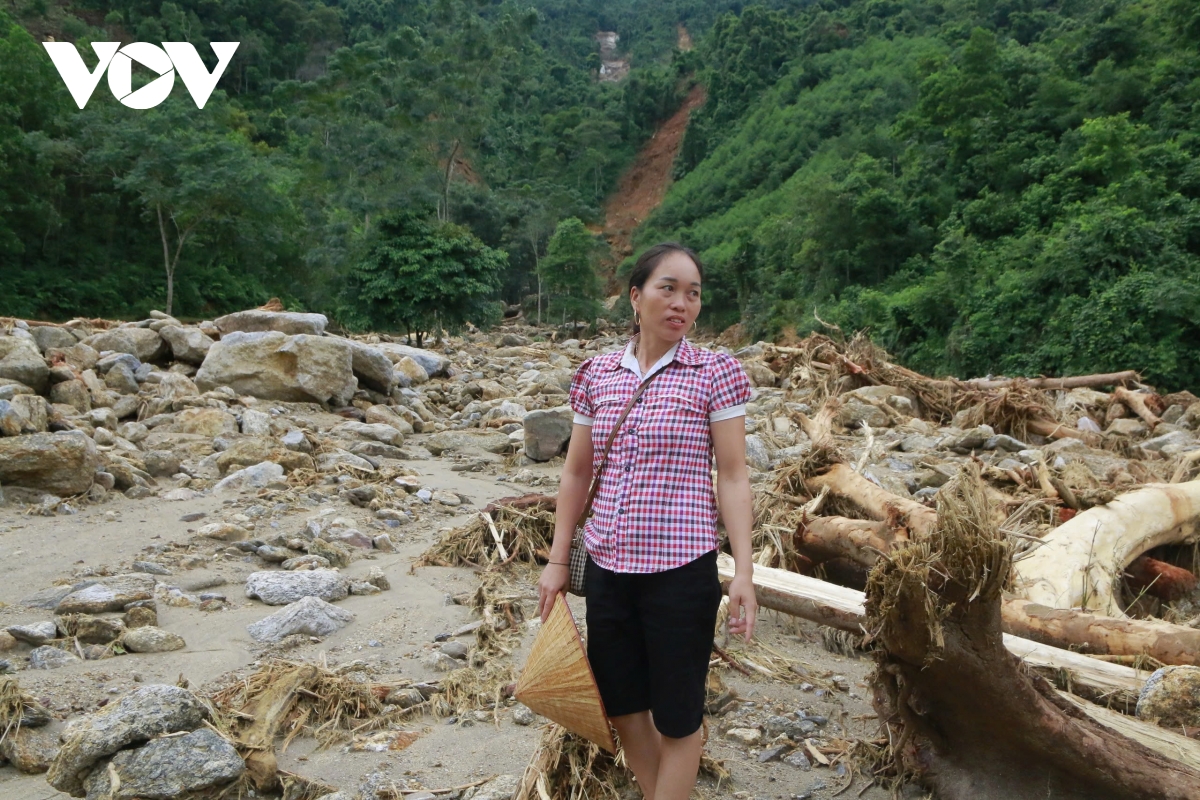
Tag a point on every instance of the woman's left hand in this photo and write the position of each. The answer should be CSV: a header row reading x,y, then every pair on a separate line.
x,y
743,606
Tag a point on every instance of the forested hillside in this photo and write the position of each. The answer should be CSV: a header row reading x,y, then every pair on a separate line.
x,y
988,185
1008,186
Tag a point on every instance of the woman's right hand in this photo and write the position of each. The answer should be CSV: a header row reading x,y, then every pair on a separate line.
x,y
552,583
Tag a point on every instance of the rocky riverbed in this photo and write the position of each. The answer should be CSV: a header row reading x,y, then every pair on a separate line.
x,y
185,505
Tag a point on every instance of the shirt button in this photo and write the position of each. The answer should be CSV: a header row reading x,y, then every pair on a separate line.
x,y
628,467
640,399
620,511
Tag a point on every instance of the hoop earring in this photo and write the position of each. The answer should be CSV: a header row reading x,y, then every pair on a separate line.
x,y
637,319
695,325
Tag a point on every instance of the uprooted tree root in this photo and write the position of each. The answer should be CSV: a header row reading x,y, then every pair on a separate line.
x,y
961,714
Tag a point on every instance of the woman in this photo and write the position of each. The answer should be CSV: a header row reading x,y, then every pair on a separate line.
x,y
652,587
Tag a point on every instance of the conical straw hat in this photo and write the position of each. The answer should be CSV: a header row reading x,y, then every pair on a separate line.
x,y
558,681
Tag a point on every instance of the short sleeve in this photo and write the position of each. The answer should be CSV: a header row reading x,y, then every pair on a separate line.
x,y
580,397
730,389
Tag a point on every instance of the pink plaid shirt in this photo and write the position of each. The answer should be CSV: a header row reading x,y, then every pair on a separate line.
x,y
656,508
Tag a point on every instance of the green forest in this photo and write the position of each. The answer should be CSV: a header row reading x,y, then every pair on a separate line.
x,y
986,186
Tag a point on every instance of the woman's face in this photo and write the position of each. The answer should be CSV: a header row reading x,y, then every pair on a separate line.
x,y
669,302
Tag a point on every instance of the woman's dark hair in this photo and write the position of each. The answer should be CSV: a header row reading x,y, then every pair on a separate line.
x,y
649,260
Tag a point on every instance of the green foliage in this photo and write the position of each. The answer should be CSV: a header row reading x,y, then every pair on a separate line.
x,y
990,188
420,276
569,278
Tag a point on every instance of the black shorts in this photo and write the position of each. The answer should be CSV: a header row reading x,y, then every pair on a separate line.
x,y
650,637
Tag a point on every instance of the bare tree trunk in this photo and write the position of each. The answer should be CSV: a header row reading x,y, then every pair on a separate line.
x,y
444,215
162,230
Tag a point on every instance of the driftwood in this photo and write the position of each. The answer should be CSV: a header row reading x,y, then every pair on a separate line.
x,y
1165,581
1079,563
879,504
1076,382
1094,634
838,607
1136,402
861,541
961,714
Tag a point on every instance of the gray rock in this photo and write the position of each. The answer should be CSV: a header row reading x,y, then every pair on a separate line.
x,y
189,345
547,432
105,364
30,750
409,373
331,462
256,477
1171,697
378,432
47,336
150,639
1167,440
34,410
50,598
288,322
94,630
36,634
372,367
133,432
141,342
523,715
59,463
162,463
1006,443
282,588
405,697
20,360
310,616
256,423
275,366
120,379
501,787
441,662
434,364
757,455
853,412
168,768
11,423
49,657
439,443
143,714
296,441
112,594
72,393
457,650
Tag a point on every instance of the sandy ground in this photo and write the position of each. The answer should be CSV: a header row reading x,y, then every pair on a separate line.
x,y
392,632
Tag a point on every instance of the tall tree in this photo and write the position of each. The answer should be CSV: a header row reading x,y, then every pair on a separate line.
x,y
569,273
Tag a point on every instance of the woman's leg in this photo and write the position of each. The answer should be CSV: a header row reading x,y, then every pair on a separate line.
x,y
643,747
679,761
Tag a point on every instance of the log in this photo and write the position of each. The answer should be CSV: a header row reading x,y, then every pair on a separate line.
x,y
861,541
1056,430
879,504
1060,627
1168,743
1079,563
1076,382
1165,581
842,608
960,712
1136,402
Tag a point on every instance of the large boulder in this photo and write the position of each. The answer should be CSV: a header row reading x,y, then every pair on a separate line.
x,y
20,360
47,336
439,443
434,364
174,766
141,342
408,372
110,594
143,714
373,367
255,320
189,345
275,366
547,432
1171,698
59,463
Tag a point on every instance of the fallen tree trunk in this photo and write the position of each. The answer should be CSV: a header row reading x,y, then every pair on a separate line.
x,y
1158,578
1056,430
1078,564
879,504
960,712
1076,382
861,541
1136,402
1094,634
842,608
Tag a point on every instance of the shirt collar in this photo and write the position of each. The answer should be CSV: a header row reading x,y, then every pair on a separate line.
x,y
682,351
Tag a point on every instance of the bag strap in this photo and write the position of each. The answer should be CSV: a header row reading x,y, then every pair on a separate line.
x,y
587,507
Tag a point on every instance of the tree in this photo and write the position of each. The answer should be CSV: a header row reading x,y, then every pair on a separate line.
x,y
568,273
191,178
421,276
